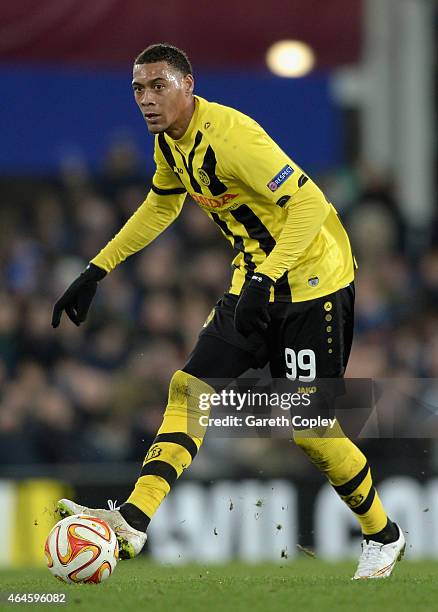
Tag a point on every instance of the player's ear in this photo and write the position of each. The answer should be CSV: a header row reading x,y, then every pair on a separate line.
x,y
189,83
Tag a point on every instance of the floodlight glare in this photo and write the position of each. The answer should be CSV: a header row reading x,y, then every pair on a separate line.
x,y
290,58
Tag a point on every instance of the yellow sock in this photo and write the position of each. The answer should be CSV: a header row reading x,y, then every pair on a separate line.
x,y
179,439
348,472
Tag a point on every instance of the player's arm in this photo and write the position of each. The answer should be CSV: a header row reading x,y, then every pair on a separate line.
x,y
162,205
306,212
269,172
153,216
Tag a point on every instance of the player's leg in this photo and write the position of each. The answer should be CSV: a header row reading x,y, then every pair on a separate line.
x,y
219,353
324,331
182,431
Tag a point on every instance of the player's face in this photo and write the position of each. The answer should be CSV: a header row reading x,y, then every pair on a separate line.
x,y
162,94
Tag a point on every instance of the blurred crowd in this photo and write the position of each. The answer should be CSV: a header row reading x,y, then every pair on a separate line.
x,y
97,393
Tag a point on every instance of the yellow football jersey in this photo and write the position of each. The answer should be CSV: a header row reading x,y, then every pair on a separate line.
x,y
277,220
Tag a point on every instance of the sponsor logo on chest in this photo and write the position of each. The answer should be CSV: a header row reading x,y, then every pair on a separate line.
x,y
217,202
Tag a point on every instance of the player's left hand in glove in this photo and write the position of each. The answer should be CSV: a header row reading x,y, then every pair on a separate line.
x,y
251,314
77,298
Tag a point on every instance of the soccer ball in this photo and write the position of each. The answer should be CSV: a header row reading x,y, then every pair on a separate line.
x,y
81,549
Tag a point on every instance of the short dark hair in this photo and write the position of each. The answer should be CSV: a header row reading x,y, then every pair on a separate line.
x,y
163,52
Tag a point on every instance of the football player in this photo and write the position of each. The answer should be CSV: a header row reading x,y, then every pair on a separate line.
x,y
291,292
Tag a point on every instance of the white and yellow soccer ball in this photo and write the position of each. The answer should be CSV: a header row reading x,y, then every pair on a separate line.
x,y
81,549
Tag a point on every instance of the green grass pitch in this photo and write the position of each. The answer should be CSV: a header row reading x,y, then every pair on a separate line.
x,y
307,584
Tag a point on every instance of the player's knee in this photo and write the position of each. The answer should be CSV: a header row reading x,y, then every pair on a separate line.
x,y
188,406
178,387
188,391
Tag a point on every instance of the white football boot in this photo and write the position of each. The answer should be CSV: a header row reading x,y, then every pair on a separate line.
x,y
130,540
378,560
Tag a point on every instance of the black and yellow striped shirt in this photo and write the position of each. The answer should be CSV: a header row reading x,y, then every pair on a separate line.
x,y
277,220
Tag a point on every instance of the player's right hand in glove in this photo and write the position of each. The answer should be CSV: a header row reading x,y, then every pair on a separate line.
x,y
77,298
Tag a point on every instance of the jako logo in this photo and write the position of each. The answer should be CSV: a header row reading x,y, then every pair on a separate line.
x,y
282,176
214,202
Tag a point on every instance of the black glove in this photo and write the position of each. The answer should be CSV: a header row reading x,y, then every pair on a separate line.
x,y
251,314
77,298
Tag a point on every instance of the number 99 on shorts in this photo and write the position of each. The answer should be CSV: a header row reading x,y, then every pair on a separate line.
x,y
300,365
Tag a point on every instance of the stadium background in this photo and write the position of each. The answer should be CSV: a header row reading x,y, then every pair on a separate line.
x,y
78,407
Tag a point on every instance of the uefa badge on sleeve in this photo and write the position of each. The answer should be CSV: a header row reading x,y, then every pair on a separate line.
x,y
280,178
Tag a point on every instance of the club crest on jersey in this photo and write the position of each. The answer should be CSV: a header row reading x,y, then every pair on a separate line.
x,y
280,178
203,177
